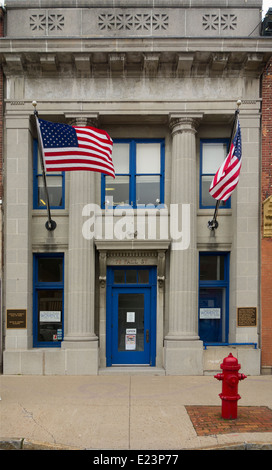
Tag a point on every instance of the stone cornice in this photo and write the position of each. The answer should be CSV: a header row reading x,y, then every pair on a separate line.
x,y
156,56
261,44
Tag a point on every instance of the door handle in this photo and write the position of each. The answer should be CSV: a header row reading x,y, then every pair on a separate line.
x,y
147,336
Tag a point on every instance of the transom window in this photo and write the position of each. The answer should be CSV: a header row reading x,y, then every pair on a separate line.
x,y
212,155
139,174
131,276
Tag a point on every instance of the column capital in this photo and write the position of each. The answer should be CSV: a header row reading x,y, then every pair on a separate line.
x,y
184,122
82,119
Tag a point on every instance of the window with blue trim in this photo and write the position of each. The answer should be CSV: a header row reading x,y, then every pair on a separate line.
x,y
55,183
139,174
214,297
212,154
48,274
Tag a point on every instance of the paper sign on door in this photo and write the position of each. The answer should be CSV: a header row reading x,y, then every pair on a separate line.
x,y
130,339
130,317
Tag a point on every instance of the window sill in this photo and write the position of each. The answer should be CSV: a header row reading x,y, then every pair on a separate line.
x,y
210,212
55,212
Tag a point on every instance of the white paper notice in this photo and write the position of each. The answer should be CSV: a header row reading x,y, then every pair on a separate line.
x,y
50,316
130,317
209,313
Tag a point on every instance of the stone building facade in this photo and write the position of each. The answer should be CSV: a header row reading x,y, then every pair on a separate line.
x,y
132,278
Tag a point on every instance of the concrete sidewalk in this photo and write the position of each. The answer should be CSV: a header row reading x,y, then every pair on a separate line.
x,y
125,412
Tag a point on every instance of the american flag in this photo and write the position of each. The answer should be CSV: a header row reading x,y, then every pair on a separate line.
x,y
227,176
70,148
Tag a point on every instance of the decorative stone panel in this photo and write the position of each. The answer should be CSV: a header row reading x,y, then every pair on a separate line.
x,y
46,22
267,220
144,22
223,22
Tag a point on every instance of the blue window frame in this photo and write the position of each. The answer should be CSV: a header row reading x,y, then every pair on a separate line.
x,y
139,174
48,287
214,297
212,153
55,184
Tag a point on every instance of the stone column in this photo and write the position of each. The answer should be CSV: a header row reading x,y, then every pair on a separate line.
x,y
183,350
80,340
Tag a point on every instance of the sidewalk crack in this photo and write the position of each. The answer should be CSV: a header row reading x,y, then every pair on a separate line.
x,y
30,415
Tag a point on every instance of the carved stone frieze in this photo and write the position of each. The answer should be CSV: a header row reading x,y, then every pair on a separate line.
x,y
177,21
267,217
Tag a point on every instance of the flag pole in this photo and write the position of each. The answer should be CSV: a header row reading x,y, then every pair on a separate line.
x,y
50,224
213,224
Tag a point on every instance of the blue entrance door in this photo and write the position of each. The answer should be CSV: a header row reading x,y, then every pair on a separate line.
x,y
131,316
131,326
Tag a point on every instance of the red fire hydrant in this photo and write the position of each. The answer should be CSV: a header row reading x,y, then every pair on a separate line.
x,y
230,378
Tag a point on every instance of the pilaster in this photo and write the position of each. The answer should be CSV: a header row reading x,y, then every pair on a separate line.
x,y
17,219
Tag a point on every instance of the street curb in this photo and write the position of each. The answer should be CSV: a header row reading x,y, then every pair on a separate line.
x,y
241,446
25,444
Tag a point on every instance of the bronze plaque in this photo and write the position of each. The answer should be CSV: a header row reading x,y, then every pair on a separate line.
x,y
16,318
247,316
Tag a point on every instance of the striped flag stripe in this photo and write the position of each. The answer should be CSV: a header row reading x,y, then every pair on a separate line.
x,y
62,160
227,182
84,152
82,166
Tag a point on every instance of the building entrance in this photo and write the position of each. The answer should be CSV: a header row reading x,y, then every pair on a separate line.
x,y
131,316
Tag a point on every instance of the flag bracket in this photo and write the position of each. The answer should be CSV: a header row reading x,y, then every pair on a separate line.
x,y
50,223
213,224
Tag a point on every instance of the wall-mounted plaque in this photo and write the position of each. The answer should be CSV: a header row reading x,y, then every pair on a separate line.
x,y
247,316
16,318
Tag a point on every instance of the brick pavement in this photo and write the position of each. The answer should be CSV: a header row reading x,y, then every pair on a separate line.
x,y
207,420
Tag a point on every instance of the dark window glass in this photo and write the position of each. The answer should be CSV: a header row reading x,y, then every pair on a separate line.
x,y
50,270
211,268
119,276
143,277
131,276
49,315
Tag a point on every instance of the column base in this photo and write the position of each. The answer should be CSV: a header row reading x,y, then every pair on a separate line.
x,y
73,359
81,357
183,357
